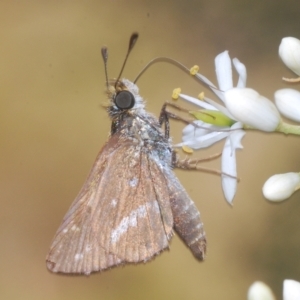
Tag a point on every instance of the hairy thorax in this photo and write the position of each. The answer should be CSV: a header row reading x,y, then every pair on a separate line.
x,y
145,133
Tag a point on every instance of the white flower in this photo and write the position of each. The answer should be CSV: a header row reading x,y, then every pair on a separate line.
x,y
252,109
281,186
197,138
288,103
291,289
260,291
232,143
224,77
209,134
289,52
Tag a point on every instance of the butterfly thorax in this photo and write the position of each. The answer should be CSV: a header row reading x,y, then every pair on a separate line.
x,y
137,125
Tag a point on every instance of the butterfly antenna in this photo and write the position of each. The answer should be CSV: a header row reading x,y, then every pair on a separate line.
x,y
132,42
104,53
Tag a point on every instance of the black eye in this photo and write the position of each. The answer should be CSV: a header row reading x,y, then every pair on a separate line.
x,y
124,100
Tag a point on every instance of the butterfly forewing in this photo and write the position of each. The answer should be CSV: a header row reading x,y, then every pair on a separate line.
x,y
122,214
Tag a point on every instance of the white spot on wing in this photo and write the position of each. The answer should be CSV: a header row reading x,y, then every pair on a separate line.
x,y
78,256
154,205
114,202
129,221
133,182
75,228
88,248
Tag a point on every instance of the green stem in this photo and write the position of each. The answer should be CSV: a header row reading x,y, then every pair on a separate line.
x,y
288,128
282,128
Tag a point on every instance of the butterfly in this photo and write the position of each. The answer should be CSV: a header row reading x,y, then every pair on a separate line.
x,y
132,202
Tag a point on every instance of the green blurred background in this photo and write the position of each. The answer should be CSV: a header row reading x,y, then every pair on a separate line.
x,y
52,127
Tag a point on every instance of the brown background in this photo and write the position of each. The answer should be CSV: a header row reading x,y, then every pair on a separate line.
x,y
52,126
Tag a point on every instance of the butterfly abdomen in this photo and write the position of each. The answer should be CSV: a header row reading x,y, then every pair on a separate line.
x,y
187,222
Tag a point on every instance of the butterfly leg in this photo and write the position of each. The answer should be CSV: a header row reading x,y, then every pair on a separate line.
x,y
165,115
186,164
192,164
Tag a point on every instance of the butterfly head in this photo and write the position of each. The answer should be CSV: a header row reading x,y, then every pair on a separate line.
x,y
124,96
123,99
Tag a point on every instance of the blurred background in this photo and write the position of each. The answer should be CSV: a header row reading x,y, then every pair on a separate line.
x,y
52,127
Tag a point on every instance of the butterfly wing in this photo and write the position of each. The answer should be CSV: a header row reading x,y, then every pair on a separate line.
x,y
121,215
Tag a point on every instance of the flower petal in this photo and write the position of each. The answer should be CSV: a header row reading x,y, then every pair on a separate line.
x,y
199,142
229,184
288,103
220,107
190,131
236,136
197,102
252,109
242,71
233,142
198,138
210,85
224,71
291,289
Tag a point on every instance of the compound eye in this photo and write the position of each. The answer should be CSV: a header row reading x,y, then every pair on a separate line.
x,y
124,100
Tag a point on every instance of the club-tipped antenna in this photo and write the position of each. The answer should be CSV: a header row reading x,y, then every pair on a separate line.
x,y
104,53
132,42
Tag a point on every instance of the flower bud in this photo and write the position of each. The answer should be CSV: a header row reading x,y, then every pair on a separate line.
x,y
252,109
281,186
289,52
288,103
260,291
291,289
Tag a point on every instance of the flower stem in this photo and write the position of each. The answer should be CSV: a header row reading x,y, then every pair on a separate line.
x,y
288,128
282,128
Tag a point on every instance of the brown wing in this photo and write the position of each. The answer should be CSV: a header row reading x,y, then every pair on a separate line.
x,y
121,215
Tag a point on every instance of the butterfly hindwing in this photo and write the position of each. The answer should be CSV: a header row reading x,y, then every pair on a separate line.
x,y
121,215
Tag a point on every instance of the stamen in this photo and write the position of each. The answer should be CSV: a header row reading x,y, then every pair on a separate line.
x,y
291,79
201,96
194,70
176,93
187,149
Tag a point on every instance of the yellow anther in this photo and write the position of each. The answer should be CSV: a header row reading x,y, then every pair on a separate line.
x,y
194,70
176,93
187,149
201,96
